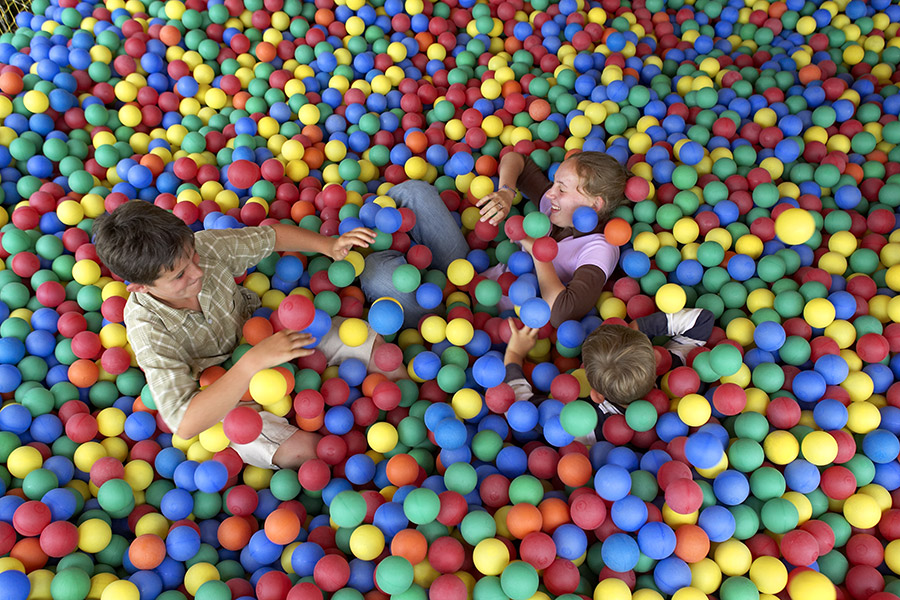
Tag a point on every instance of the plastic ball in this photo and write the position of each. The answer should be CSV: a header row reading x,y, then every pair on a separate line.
x,y
795,226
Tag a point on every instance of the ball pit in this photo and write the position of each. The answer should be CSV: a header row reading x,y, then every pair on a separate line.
x,y
761,138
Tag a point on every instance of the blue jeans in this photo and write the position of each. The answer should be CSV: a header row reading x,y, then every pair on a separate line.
x,y
434,228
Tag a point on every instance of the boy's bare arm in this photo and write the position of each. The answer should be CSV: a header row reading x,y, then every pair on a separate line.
x,y
521,342
298,239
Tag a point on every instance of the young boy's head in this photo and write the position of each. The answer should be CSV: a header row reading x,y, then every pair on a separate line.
x,y
620,363
147,246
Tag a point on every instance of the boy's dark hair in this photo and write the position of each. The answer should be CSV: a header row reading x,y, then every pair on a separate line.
x,y
619,363
601,175
140,240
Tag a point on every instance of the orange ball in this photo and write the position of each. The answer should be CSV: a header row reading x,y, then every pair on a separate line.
x,y
691,543
256,329
169,35
11,83
411,545
301,209
523,518
282,526
402,469
266,52
539,109
147,551
234,533
554,512
28,552
574,469
617,232
83,373
417,142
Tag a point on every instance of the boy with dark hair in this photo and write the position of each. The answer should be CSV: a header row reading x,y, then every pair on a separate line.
x,y
186,313
618,360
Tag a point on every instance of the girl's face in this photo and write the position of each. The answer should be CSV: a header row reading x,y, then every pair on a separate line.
x,y
565,196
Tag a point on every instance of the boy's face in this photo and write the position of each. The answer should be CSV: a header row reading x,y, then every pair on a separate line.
x,y
565,195
178,287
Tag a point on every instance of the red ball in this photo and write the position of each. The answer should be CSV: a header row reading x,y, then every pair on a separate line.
x,y
838,483
243,174
872,347
446,554
683,381
561,577
684,496
51,294
304,590
314,475
588,510
863,581
448,587
864,549
565,387
729,398
538,549
31,517
59,539
453,508
545,249
241,500
783,413
242,425
799,548
106,468
296,312
332,572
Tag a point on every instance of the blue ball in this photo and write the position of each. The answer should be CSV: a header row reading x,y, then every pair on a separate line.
x,y
635,264
289,268
543,374
429,295
879,445
512,461
339,420
656,540
620,552
629,513
731,487
571,541
612,482
833,368
176,504
359,469
570,334
769,335
809,386
426,365
262,549
741,267
555,434
183,543
488,371
15,585
523,416
184,475
451,433
140,426
388,219
671,574
718,523
802,476
585,219
211,476
353,371
703,450
305,556
386,316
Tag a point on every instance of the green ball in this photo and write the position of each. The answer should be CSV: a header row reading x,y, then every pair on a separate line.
x,y
284,485
641,415
421,506
835,565
519,580
460,477
746,521
39,482
710,254
70,584
406,278
725,359
526,488
768,377
348,509
746,455
486,444
213,590
751,425
684,177
578,418
767,483
477,526
644,485
394,575
488,292
779,515
547,131
341,273
739,588
488,588
536,224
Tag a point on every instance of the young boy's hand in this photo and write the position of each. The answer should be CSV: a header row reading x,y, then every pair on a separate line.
x,y
360,236
521,341
280,347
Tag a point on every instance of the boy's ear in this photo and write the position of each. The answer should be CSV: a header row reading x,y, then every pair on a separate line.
x,y
136,287
597,397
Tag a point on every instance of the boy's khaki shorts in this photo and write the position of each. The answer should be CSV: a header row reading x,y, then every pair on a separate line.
x,y
276,430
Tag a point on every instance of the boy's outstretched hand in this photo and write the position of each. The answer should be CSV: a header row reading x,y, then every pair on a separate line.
x,y
360,236
280,347
521,341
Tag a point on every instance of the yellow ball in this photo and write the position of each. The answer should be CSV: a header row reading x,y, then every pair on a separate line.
x,y
198,574
94,535
460,272
686,230
795,226
694,410
859,385
781,447
70,212
670,298
612,589
382,437
416,168
466,403
213,439
706,575
353,332
86,271
819,313
646,242
268,386
36,102
490,556
481,186
309,114
460,331
819,448
139,474
810,584
862,511
580,126
111,421
23,460
366,542
892,556
434,329
689,593
733,557
769,574
120,590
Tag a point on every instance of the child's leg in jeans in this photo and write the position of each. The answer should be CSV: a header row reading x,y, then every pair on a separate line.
x,y
435,228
